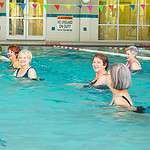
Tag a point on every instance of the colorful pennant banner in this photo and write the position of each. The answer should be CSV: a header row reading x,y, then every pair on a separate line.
x,y
12,5
34,5
111,7
45,6
57,6
90,7
132,6
78,5
143,6
1,4
122,8
68,6
23,6
101,8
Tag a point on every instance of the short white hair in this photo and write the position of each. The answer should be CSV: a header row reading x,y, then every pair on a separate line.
x,y
133,50
120,76
26,53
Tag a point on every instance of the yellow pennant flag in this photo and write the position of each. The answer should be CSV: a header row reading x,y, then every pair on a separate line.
x,y
68,6
12,5
122,8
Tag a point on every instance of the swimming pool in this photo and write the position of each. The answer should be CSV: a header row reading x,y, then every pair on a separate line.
x,y
49,115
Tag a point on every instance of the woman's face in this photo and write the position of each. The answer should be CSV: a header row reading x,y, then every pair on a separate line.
x,y
129,55
11,53
97,64
23,60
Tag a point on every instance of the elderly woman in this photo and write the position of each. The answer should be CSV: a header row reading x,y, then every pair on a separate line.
x,y
25,70
132,63
120,81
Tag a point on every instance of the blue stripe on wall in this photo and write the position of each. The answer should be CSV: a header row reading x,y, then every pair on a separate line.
x,y
2,14
74,15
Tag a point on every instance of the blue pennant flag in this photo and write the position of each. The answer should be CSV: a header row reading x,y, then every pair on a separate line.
x,y
132,6
23,6
78,5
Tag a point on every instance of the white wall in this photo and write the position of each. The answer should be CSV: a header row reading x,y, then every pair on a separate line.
x,y
88,30
55,35
91,26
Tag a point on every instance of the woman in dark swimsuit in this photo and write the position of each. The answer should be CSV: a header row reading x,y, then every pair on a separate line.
x,y
100,65
25,70
119,83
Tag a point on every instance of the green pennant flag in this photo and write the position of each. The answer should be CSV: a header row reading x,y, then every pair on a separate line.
x,y
101,7
45,6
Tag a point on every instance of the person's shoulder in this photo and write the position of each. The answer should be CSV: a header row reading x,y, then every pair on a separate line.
x,y
32,73
31,70
136,64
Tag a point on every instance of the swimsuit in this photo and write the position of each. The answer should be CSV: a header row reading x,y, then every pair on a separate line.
x,y
139,109
25,75
90,84
125,100
135,61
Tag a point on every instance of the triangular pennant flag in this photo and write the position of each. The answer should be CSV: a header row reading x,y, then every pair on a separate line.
x,y
12,4
34,5
57,6
143,6
23,6
45,6
68,6
80,6
132,6
90,7
122,8
1,4
101,7
111,7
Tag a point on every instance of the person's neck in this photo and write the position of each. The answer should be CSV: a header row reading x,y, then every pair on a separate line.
x,y
24,67
132,59
100,73
115,91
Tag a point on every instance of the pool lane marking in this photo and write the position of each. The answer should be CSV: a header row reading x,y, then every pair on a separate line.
x,y
97,51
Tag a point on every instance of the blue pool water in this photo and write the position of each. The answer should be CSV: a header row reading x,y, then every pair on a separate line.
x,y
49,115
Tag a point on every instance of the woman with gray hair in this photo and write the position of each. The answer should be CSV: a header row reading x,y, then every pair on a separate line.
x,y
120,82
132,63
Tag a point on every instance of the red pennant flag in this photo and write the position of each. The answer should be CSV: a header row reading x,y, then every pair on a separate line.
x,y
34,5
143,6
57,6
90,7
1,4
111,7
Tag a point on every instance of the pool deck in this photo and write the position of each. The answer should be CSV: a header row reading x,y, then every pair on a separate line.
x,y
75,44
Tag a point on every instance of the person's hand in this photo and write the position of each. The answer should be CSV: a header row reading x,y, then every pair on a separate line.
x,y
80,85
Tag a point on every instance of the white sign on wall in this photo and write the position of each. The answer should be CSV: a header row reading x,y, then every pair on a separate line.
x,y
64,23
